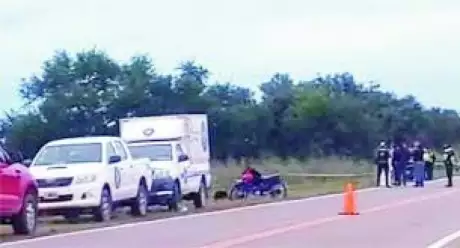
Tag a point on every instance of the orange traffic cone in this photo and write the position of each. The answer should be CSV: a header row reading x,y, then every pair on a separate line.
x,y
349,204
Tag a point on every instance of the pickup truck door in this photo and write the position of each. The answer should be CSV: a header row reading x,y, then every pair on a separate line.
x,y
188,184
115,178
128,171
10,184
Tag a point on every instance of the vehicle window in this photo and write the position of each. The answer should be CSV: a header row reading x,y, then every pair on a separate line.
x,y
70,154
121,150
4,158
154,152
110,150
179,150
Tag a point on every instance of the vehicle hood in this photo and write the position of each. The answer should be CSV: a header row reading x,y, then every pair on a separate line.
x,y
53,171
21,167
24,171
162,165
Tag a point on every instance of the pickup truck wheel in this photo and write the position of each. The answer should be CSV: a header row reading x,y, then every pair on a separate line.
x,y
104,211
199,198
139,207
174,202
25,222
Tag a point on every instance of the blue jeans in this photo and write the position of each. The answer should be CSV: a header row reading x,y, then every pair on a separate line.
x,y
419,173
400,172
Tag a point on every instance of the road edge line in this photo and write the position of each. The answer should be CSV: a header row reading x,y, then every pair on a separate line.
x,y
441,243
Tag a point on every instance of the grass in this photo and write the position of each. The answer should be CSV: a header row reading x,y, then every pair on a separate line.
x,y
298,174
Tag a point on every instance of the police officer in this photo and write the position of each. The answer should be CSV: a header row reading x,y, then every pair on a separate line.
x,y
382,161
405,158
449,157
396,162
419,165
430,159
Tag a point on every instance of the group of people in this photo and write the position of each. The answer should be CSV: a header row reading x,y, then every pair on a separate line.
x,y
399,156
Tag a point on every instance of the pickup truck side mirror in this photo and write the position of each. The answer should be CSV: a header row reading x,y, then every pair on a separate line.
x,y
182,158
16,157
27,162
114,159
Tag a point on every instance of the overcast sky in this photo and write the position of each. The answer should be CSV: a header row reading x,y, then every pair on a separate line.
x,y
409,46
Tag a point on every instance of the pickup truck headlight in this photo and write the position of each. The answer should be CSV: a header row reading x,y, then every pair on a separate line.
x,y
160,173
85,179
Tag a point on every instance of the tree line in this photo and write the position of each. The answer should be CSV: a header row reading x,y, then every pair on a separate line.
x,y
86,93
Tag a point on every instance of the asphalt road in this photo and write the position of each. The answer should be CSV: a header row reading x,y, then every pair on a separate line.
x,y
398,217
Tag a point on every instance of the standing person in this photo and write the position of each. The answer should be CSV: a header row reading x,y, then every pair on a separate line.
x,y
419,165
430,159
449,159
405,158
382,158
396,162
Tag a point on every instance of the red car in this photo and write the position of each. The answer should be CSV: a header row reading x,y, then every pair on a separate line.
x,y
18,195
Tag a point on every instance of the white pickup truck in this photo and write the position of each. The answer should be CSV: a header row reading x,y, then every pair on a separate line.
x,y
178,148
90,175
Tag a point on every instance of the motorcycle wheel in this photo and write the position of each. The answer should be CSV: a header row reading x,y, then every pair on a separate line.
x,y
279,191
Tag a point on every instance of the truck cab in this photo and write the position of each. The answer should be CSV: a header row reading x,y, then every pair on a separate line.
x,y
178,149
90,175
18,195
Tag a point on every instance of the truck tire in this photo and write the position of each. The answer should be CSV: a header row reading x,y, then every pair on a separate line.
x,y
25,222
199,198
174,202
103,212
140,204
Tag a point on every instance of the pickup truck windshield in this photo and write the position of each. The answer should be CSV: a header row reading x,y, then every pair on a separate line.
x,y
155,152
70,154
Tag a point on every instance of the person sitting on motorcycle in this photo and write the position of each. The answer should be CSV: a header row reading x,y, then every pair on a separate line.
x,y
251,175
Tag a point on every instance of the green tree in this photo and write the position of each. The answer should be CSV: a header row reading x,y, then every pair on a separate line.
x,y
332,114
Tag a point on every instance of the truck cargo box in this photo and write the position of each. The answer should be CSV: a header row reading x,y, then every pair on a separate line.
x,y
191,129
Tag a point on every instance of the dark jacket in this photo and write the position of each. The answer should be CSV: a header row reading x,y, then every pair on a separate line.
x,y
405,155
449,155
417,154
382,155
397,155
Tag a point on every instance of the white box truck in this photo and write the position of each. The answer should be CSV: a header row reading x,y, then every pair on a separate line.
x,y
178,149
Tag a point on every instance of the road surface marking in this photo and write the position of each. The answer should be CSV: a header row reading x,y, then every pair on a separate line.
x,y
446,240
293,227
184,217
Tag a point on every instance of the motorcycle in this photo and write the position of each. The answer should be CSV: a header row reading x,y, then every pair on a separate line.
x,y
268,185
